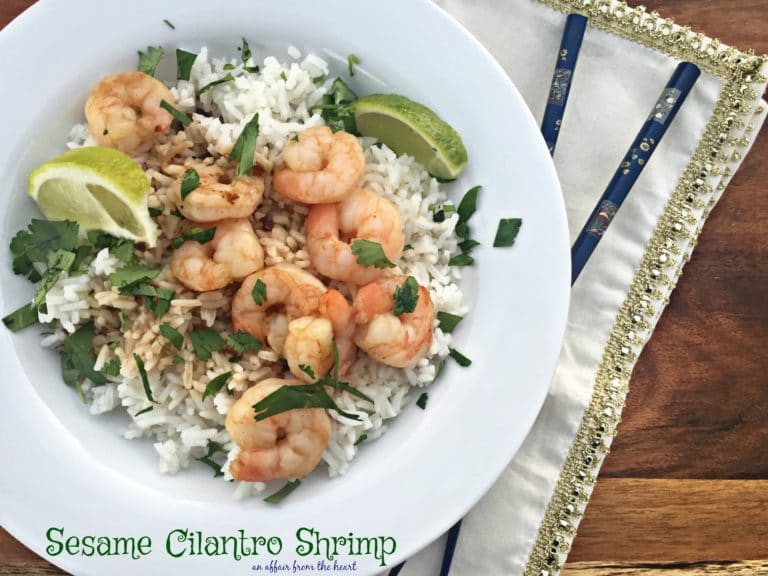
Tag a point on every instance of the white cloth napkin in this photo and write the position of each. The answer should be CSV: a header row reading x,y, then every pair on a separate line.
x,y
616,84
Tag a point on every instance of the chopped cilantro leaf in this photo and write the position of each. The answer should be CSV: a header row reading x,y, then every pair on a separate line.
x,y
184,62
448,321
283,76
58,262
461,260
406,296
466,246
362,438
223,80
197,234
123,250
307,369
177,114
172,335
144,378
77,358
370,254
507,232
131,275
281,494
216,384
317,80
21,318
336,107
205,342
245,147
148,61
154,212
144,411
468,204
352,59
422,401
112,368
169,24
241,343
212,449
245,51
189,181
259,292
459,357
40,239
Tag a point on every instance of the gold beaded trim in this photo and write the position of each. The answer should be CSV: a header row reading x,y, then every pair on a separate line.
x,y
669,248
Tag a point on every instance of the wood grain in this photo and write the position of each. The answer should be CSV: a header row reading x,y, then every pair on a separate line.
x,y
685,490
668,569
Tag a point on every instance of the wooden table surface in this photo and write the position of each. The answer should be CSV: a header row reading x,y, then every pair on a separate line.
x,y
685,488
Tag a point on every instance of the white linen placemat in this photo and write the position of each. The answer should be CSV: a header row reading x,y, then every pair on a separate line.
x,y
526,523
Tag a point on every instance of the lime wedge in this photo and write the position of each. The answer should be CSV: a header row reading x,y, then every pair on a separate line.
x,y
411,128
99,188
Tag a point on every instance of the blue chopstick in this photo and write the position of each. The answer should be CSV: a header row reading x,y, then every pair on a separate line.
x,y
646,142
450,548
565,67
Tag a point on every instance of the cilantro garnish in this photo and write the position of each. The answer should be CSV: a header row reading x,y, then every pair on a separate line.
x,y
154,212
245,147
507,232
112,368
406,296
205,342
169,24
144,411
184,62
352,59
241,343
466,246
148,61
459,357
281,494
307,369
189,181
336,107
212,449
177,114
308,395
370,254
58,262
259,292
362,438
461,260
204,89
448,321
144,378
172,335
131,275
216,384
422,401
197,234
156,300
77,358
245,51
39,239
468,204
21,318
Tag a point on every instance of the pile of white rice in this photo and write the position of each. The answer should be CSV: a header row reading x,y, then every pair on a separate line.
x,y
182,423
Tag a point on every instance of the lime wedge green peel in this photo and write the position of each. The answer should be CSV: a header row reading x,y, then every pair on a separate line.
x,y
411,128
99,188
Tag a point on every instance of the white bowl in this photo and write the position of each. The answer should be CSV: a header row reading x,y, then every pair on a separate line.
x,y
66,469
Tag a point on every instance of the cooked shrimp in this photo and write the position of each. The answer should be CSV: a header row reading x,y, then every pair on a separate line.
x,y
310,338
394,340
364,215
123,111
310,344
322,166
232,254
216,198
290,293
288,445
